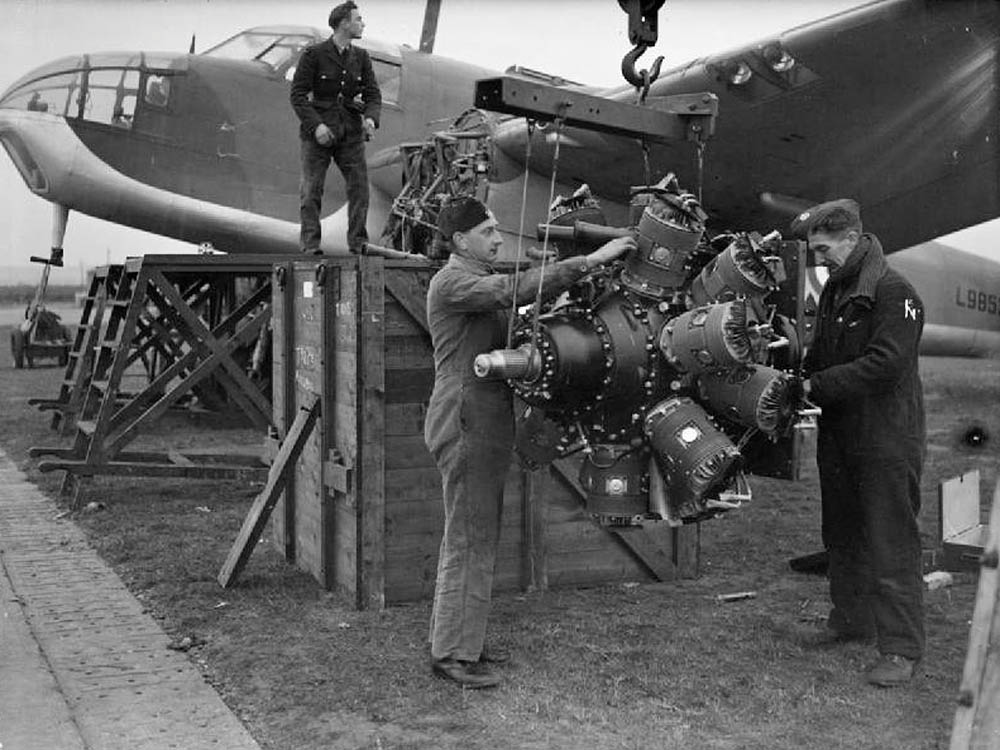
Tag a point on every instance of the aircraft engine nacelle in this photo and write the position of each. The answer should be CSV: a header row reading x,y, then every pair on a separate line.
x,y
656,394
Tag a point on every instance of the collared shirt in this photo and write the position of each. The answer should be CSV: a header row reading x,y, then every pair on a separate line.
x,y
332,86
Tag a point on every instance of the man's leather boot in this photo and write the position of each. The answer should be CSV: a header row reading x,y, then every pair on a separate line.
x,y
892,670
467,674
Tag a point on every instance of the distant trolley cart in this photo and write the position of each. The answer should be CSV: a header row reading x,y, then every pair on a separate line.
x,y
40,336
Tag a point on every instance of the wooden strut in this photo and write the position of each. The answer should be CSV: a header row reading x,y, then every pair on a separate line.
x,y
278,476
148,308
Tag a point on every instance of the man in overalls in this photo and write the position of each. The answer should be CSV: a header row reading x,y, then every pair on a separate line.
x,y
469,428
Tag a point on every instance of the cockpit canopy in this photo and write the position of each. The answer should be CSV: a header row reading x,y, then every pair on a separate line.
x,y
276,46
107,87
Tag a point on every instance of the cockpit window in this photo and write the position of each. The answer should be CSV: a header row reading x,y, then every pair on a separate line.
x,y
111,97
276,50
57,95
157,90
388,77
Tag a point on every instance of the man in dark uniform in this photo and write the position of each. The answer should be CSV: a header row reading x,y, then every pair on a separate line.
x,y
337,99
469,427
862,371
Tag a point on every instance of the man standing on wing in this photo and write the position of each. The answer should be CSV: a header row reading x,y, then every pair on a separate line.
x,y
337,99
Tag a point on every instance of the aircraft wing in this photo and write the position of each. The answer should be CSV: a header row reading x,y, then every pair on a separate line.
x,y
893,103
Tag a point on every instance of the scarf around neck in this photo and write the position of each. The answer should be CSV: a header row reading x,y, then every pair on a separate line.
x,y
865,266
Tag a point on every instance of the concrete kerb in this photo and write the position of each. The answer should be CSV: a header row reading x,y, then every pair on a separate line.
x,y
84,665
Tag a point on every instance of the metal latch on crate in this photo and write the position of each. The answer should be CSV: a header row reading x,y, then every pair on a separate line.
x,y
339,477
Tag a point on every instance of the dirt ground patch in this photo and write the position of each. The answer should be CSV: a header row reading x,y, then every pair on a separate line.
x,y
626,666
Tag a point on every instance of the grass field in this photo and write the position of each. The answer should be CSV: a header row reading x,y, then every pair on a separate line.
x,y
627,666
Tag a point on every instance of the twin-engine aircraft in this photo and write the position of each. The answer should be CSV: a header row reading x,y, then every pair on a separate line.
x,y
893,103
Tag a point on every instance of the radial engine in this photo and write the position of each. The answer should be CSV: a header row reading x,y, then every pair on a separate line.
x,y
662,369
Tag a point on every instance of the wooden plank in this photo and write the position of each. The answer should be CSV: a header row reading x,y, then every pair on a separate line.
x,y
418,486
283,329
534,497
977,724
342,544
345,385
405,419
408,386
407,352
687,546
371,423
256,520
333,322
409,288
653,547
594,569
400,324
407,452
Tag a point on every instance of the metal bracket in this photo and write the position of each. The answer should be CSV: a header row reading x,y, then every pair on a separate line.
x,y
699,111
669,118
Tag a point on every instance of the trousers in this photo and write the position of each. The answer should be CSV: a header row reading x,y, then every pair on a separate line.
x,y
473,471
870,506
349,155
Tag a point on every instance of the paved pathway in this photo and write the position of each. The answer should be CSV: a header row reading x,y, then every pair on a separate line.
x,y
82,666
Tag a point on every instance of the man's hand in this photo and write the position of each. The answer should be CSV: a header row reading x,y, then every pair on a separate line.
x,y
611,250
536,255
369,125
323,135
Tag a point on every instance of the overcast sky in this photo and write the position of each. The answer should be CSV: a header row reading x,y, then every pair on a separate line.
x,y
582,40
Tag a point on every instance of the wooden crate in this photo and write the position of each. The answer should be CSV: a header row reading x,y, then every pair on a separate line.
x,y
363,511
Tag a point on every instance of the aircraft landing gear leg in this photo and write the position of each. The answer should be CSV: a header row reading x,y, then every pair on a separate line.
x,y
17,348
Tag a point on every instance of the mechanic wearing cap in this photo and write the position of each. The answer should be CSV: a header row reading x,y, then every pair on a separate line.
x,y
469,427
862,370
337,99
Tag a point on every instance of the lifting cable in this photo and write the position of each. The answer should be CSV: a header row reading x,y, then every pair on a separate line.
x,y
520,233
700,147
545,242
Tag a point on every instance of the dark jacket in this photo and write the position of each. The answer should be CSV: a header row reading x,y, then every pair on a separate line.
x,y
335,89
862,364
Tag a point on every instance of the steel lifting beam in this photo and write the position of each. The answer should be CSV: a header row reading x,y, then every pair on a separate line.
x,y
670,118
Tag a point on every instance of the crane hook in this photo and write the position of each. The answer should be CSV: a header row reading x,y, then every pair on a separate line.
x,y
641,79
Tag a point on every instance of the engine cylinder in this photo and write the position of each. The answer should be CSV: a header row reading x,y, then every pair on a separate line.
x,y
735,272
666,239
695,458
751,396
712,337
